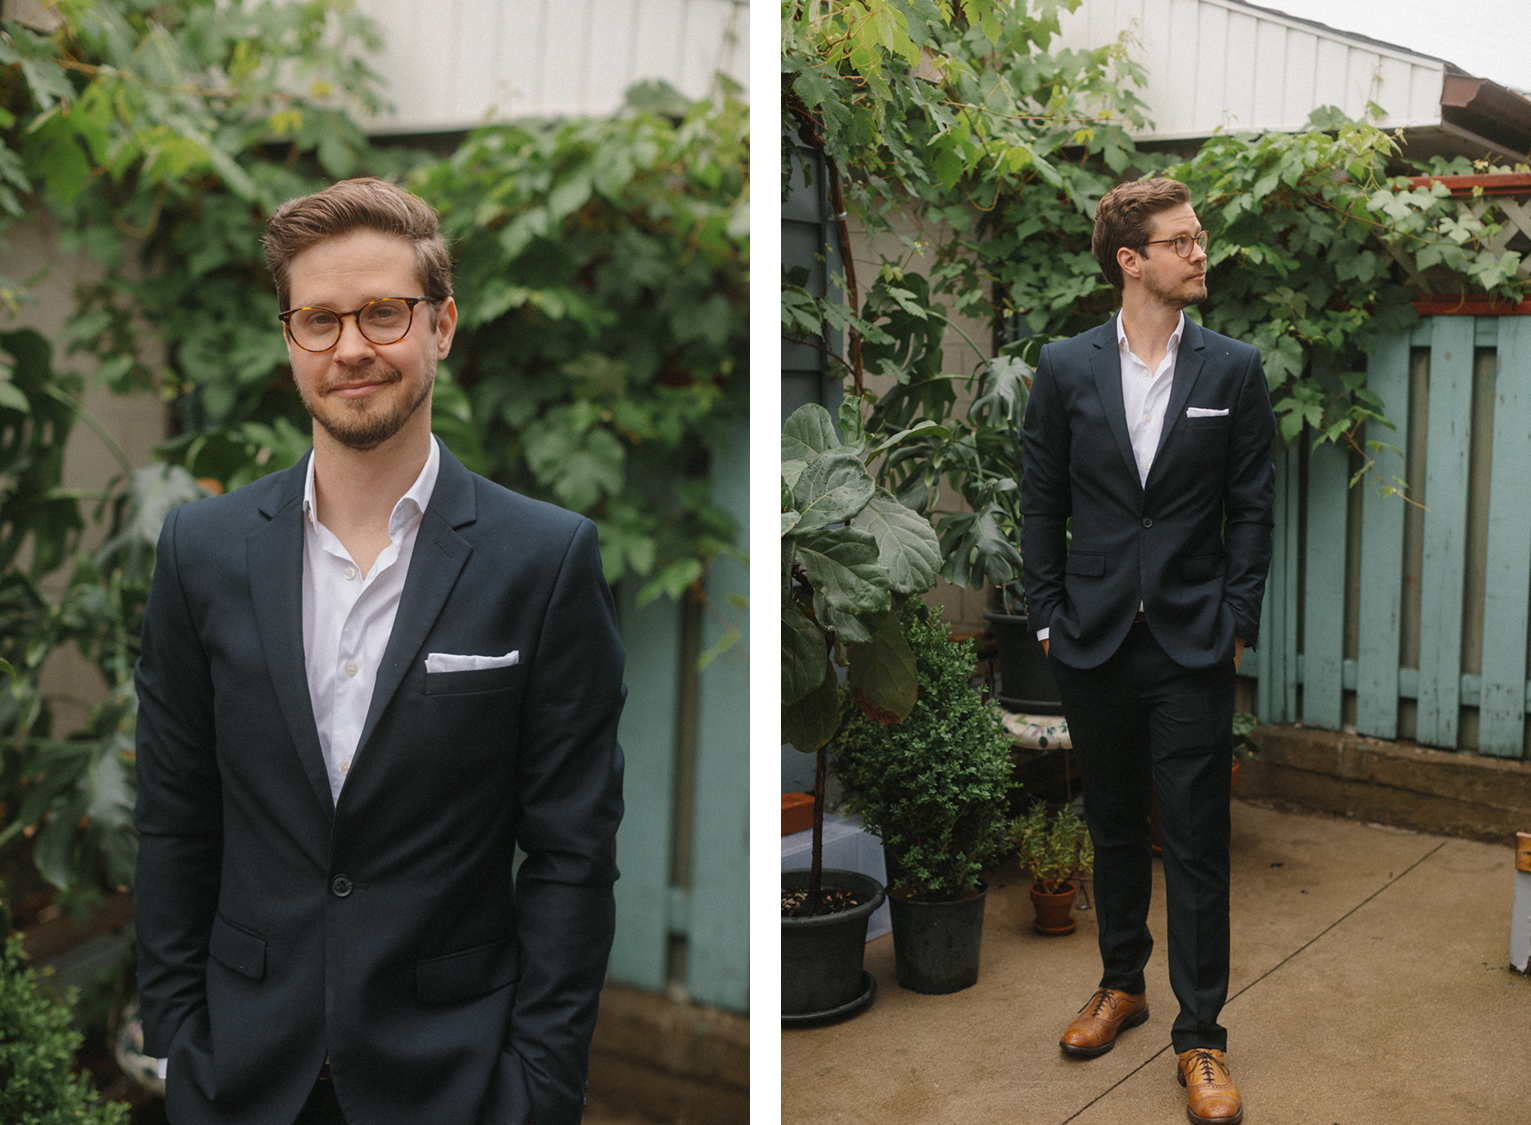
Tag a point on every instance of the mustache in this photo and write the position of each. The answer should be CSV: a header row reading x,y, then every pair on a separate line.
x,y
375,373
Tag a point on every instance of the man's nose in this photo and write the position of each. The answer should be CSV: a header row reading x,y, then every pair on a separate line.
x,y
352,344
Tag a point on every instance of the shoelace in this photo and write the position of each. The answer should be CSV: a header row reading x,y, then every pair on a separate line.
x,y
1205,1060
1103,1000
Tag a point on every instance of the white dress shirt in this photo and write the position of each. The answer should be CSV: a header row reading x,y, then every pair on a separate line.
x,y
348,617
1146,397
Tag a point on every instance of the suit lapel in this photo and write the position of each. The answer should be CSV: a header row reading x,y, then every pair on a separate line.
x,y
1187,368
438,559
1106,367
275,555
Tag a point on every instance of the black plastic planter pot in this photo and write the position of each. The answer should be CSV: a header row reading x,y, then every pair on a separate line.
x,y
1026,683
821,975
936,944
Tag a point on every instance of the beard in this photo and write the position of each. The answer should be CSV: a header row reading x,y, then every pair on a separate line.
x,y
364,425
1177,296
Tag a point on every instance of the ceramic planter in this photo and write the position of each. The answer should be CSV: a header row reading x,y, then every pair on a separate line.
x,y
1026,683
936,944
822,979
1055,912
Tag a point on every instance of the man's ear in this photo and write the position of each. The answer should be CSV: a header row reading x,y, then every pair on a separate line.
x,y
446,327
1129,261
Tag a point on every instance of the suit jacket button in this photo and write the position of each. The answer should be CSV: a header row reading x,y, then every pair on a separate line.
x,y
340,886
1147,522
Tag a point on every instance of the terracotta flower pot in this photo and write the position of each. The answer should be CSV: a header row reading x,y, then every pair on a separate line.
x,y
1054,911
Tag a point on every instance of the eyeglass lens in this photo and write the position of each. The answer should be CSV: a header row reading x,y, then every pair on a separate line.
x,y
1183,244
381,322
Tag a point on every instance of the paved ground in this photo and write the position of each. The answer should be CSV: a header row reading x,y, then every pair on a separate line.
x,y
1370,984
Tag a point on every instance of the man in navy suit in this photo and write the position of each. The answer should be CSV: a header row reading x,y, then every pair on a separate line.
x,y
1147,493
365,682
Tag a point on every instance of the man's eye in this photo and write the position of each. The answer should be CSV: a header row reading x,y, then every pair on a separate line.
x,y
317,318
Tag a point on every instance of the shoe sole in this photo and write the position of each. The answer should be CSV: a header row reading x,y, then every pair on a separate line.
x,y
1234,1120
1096,1052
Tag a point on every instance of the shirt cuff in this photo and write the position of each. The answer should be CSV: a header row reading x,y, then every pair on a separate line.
x,y
1044,632
160,1068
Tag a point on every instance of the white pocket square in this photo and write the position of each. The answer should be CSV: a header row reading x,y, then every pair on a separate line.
x,y
450,662
1205,412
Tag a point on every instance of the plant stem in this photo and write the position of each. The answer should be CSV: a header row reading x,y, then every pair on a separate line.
x,y
816,865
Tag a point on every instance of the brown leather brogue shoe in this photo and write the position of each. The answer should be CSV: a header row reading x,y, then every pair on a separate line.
x,y
1104,1016
1214,1097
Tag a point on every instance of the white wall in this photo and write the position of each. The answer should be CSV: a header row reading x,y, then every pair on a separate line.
x,y
457,64
1221,64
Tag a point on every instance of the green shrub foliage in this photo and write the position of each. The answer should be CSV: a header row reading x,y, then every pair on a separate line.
x,y
933,786
38,1082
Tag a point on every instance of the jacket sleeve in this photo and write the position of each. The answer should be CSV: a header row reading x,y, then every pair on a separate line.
x,y
1046,496
569,788
179,811
1249,498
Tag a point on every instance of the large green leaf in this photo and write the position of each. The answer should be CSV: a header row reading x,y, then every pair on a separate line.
x,y
807,433
812,721
804,654
882,675
842,566
906,543
832,489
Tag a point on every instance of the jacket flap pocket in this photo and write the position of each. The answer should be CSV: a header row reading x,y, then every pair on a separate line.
x,y
1091,566
477,679
469,973
1203,568
243,952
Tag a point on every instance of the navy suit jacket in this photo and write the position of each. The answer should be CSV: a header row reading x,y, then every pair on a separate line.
x,y
1192,544
276,926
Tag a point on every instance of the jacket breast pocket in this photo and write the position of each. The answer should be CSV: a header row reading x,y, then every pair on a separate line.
x,y
468,973
476,680
1088,566
237,949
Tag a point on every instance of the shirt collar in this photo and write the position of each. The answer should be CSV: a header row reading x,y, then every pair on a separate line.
x,y
1174,344
410,505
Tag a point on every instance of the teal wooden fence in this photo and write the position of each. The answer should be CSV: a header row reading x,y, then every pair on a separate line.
x,y
1410,620
683,848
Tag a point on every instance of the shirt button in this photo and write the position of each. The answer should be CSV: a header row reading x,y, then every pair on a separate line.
x,y
350,572
352,669
345,767
340,886
1147,522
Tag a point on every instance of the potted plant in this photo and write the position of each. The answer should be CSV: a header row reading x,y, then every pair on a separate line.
x,y
1057,852
933,788
979,453
848,549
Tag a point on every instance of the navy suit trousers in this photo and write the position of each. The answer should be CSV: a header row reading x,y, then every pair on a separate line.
x,y
1141,723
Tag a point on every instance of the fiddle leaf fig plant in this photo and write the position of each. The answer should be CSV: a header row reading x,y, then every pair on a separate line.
x,y
848,550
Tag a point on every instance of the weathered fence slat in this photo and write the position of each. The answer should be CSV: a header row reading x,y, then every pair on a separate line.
x,y
1289,588
1324,586
717,960
1382,547
647,734
1448,439
1501,716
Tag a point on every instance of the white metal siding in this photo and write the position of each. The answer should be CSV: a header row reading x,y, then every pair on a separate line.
x,y
1212,63
457,64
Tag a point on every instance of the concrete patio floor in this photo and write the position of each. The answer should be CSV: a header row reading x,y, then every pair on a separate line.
x,y
1370,983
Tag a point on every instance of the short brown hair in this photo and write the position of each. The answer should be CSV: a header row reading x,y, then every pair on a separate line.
x,y
1125,217
365,203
